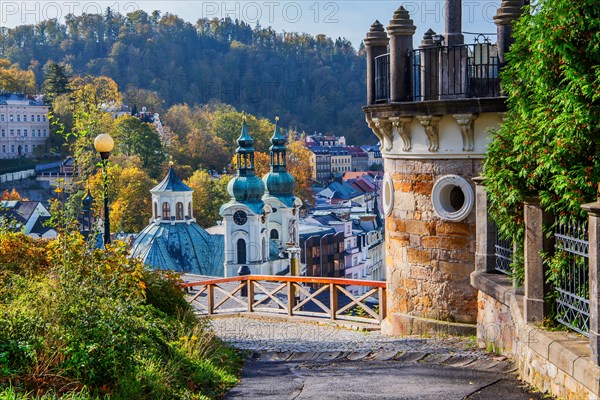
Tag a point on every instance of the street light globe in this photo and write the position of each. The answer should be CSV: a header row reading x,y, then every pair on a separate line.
x,y
104,143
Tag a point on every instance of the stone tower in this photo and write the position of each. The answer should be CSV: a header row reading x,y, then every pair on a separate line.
x,y
431,108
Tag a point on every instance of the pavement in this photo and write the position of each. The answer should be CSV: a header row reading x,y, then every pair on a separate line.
x,y
299,360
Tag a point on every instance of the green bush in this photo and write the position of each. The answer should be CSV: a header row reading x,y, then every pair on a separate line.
x,y
96,324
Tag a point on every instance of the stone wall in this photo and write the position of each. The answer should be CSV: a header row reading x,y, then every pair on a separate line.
x,y
557,363
429,260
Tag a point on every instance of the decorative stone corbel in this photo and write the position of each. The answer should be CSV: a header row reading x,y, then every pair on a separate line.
x,y
431,125
403,125
375,131
466,123
385,130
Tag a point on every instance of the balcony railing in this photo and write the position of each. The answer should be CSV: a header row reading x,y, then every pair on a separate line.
x,y
445,72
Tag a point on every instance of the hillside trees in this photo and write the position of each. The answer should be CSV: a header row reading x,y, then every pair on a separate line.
x,y
312,83
14,79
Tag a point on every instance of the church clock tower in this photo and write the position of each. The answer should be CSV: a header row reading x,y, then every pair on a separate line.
x,y
245,215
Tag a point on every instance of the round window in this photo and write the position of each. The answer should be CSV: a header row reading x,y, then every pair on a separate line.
x,y
388,194
452,198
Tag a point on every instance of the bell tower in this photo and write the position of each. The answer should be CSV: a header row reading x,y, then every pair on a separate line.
x,y
245,215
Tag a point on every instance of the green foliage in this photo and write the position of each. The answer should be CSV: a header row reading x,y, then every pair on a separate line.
x,y
549,142
56,81
134,137
94,323
311,82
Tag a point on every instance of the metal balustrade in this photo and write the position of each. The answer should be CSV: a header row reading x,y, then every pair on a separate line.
x,y
445,72
504,254
572,289
319,298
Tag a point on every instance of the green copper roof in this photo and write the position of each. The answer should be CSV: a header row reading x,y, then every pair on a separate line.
x,y
245,141
246,186
171,183
279,182
180,247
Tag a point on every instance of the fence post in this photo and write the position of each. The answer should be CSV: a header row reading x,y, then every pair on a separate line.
x,y
485,251
382,304
536,242
333,300
250,288
593,210
291,292
211,299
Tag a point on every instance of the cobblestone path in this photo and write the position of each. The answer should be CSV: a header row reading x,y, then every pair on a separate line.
x,y
296,360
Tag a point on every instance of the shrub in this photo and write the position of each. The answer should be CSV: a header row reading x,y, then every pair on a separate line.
x,y
94,323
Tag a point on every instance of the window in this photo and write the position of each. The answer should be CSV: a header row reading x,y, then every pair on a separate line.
x,y
155,210
32,118
241,251
166,211
44,133
44,118
18,118
3,132
4,148
190,209
25,118
274,234
38,118
12,148
26,149
18,132
25,132
11,118
2,117
179,211
12,132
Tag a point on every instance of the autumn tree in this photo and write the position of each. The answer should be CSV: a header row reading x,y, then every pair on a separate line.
x,y
13,79
92,99
298,162
209,195
261,163
11,195
129,195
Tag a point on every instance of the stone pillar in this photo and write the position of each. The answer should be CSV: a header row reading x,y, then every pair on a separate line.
x,y
376,44
536,242
430,67
453,14
509,11
401,31
593,210
485,250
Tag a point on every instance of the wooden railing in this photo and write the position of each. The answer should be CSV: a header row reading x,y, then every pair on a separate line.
x,y
293,296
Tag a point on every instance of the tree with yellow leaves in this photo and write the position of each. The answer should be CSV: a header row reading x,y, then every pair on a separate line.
x,y
15,80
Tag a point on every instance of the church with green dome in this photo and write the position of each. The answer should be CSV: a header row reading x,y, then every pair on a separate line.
x,y
261,219
260,222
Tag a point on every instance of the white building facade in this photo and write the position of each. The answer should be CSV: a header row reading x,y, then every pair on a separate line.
x,y
24,126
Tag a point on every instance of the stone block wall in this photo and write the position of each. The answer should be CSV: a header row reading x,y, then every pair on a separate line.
x,y
429,260
557,363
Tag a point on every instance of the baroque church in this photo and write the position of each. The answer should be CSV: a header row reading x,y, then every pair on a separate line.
x,y
260,222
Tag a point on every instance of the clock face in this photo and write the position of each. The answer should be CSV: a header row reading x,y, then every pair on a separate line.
x,y
240,217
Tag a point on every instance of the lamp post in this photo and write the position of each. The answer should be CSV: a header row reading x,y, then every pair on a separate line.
x,y
104,144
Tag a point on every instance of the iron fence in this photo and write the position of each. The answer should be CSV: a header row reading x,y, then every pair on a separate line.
x,y
572,284
382,78
445,72
504,254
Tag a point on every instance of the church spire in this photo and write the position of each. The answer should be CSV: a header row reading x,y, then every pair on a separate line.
x,y
246,186
245,152
278,150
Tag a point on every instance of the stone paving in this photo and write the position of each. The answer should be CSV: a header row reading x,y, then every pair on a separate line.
x,y
300,360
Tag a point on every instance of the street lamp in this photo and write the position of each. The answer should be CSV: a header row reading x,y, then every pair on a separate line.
x,y
104,144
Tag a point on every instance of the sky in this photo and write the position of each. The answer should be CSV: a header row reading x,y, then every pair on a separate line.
x,y
343,18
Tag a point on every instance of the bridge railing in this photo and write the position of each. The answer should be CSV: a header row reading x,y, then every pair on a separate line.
x,y
320,298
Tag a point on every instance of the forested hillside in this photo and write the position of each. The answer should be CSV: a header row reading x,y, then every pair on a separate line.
x,y
312,83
